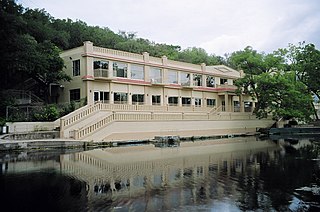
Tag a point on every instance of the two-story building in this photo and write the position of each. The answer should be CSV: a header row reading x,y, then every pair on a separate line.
x,y
118,77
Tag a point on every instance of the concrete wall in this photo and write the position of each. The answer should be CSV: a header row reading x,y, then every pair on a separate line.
x,y
149,129
21,127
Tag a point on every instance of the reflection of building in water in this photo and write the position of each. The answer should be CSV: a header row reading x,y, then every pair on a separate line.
x,y
132,171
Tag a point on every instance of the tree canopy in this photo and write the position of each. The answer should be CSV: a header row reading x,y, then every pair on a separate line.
x,y
269,80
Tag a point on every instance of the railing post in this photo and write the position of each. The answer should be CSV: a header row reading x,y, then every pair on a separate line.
x,y
76,134
61,127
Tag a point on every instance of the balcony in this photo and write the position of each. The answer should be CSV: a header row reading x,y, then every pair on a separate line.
x,y
100,73
187,85
226,87
157,82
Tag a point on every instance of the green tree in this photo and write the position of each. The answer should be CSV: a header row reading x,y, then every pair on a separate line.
x,y
266,80
305,62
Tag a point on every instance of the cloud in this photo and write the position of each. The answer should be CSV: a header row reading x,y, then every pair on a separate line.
x,y
217,26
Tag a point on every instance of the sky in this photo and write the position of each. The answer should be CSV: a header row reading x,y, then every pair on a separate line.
x,y
218,26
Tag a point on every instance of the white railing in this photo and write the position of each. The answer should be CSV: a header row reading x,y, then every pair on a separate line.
x,y
118,53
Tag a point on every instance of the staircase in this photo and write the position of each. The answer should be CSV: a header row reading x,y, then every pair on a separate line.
x,y
91,121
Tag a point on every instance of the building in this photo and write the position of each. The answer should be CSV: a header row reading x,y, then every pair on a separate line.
x,y
117,77
135,96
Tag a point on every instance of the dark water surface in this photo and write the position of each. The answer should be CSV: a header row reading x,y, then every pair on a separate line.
x,y
237,174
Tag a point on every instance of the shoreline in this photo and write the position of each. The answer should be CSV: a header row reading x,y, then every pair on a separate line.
x,y
50,144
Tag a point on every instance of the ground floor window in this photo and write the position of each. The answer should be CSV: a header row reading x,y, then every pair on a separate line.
x,y
211,102
75,95
197,102
138,99
102,96
120,98
186,101
173,101
156,100
236,105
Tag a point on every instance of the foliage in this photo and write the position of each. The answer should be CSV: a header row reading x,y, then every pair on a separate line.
x,y
48,113
276,90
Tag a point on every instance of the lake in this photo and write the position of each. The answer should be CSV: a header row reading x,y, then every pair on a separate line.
x,y
235,174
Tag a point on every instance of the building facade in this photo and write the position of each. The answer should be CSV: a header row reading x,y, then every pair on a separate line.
x,y
117,77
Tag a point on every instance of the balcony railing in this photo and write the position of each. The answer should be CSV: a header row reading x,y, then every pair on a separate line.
x,y
101,73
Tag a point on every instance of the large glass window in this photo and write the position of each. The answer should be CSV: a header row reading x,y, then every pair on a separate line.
x,y
155,75
186,101
76,68
156,100
137,72
101,96
120,69
197,79
120,98
100,68
172,77
74,95
223,81
173,101
185,78
211,102
210,82
137,99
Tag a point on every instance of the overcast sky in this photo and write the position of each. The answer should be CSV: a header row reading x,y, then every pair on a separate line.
x,y
218,26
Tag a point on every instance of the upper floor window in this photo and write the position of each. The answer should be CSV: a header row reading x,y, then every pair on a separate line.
x,y
137,72
185,78
197,78
76,68
100,68
186,101
223,81
172,77
155,75
210,82
120,69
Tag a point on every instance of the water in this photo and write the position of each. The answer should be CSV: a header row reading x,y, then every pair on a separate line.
x,y
237,174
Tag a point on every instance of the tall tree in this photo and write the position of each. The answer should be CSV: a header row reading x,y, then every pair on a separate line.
x,y
267,81
305,62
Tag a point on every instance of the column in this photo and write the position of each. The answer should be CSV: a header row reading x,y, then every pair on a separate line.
x,y
226,100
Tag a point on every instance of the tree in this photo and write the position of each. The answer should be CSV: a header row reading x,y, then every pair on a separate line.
x,y
268,81
305,62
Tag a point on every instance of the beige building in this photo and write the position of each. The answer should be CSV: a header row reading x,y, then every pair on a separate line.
x,y
117,77
136,96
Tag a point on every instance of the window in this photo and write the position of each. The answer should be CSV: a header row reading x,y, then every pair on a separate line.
x,y
120,69
100,68
223,81
156,100
185,78
173,101
137,99
197,78
76,68
197,102
101,96
172,77
120,98
186,101
137,72
210,82
74,95
155,75
211,102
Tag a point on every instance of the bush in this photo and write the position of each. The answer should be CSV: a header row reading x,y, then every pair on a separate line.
x,y
49,113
